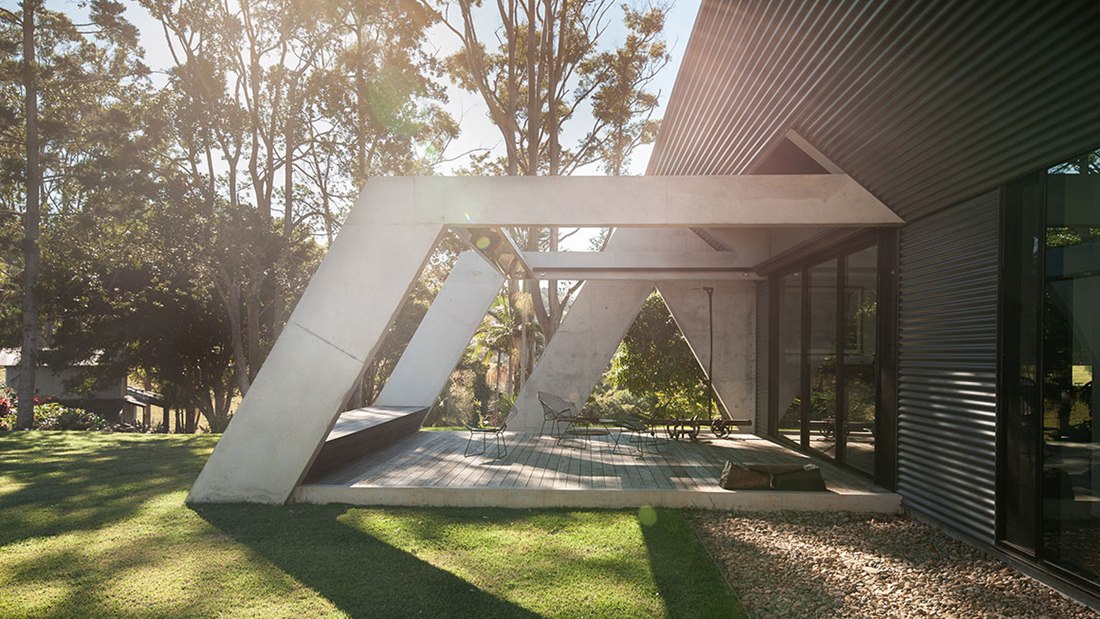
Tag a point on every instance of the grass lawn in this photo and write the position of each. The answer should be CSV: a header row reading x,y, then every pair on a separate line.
x,y
95,525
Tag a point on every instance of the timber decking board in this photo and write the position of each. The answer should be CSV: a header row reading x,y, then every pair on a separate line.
x,y
434,459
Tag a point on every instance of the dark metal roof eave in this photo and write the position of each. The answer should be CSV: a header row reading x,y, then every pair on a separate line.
x,y
926,104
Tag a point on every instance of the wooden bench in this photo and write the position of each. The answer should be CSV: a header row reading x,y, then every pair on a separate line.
x,y
363,430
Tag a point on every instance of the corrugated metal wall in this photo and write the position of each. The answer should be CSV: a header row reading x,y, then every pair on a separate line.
x,y
947,365
760,424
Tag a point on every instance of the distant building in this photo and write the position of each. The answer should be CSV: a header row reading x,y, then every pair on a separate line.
x,y
115,401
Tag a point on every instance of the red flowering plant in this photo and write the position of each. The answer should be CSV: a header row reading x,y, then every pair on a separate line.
x,y
9,405
7,408
7,401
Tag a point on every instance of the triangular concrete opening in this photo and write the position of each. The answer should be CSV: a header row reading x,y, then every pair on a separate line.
x,y
654,373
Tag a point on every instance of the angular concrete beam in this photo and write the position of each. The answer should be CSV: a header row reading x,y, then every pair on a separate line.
x,y
581,348
437,346
654,265
623,201
549,264
309,373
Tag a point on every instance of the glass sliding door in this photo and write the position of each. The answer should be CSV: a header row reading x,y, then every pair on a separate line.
x,y
1070,355
825,382
822,357
860,346
1049,485
789,365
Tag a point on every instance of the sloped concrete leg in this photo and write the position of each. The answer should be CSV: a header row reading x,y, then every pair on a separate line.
x,y
581,348
297,395
437,346
734,336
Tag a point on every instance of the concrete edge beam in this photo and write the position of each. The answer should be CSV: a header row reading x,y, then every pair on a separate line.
x,y
622,201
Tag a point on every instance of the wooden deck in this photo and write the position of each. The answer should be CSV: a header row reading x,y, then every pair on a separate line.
x,y
428,468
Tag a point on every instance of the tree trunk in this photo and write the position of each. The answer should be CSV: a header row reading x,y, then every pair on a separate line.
x,y
281,300
29,356
534,113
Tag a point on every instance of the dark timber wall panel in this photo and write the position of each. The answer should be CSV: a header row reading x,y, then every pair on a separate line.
x,y
947,366
760,424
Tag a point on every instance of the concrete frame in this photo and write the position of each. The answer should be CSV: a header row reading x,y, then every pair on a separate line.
x,y
592,330
364,279
442,336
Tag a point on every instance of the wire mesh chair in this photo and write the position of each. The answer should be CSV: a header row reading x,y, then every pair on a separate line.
x,y
555,410
485,432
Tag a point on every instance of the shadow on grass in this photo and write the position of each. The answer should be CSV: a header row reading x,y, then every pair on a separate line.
x,y
355,571
56,482
689,581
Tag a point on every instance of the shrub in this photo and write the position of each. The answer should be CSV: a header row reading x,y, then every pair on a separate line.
x,y
54,416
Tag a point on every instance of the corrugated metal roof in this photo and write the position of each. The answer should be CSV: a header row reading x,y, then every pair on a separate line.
x,y
924,103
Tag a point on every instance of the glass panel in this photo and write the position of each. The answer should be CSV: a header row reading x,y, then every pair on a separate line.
x,y
1071,345
861,318
790,357
822,357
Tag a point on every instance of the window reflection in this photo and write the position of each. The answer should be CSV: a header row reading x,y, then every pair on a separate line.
x,y
790,357
1071,343
861,318
822,357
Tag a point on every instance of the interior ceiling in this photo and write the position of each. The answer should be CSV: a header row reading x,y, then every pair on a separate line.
x,y
925,103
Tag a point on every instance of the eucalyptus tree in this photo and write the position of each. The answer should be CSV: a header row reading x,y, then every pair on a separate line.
x,y
545,71
283,108
65,86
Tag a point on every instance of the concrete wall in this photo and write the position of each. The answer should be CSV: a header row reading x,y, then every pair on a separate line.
x,y
734,367
581,350
52,383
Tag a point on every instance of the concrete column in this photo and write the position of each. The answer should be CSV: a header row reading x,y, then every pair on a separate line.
x,y
582,347
309,373
437,346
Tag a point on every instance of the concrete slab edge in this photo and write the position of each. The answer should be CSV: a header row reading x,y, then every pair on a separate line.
x,y
721,500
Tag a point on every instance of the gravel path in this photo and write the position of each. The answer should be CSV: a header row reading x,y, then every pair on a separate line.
x,y
803,564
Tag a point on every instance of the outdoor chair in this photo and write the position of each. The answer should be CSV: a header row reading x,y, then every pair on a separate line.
x,y
485,432
639,435
555,410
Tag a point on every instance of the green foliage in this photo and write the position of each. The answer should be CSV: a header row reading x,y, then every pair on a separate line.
x,y
655,359
54,416
540,73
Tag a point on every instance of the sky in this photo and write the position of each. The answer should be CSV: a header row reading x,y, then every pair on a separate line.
x,y
478,131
